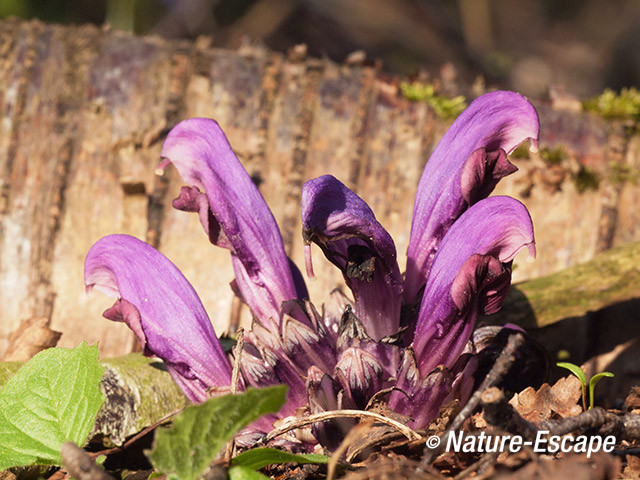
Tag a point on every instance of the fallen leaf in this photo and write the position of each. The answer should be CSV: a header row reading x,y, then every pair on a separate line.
x,y
32,336
601,466
632,469
548,402
633,399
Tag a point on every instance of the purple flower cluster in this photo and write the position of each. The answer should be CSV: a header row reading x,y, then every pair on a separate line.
x,y
410,333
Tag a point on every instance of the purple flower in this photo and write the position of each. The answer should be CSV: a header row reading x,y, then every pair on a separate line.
x,y
410,334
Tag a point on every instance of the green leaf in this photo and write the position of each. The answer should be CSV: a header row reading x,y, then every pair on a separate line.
x,y
244,473
592,385
258,458
576,370
53,398
201,431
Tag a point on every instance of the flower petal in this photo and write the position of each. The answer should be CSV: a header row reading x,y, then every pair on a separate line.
x,y
470,272
237,217
464,168
347,231
162,309
417,396
360,374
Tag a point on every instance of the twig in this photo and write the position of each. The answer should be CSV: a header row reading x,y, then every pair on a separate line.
x,y
626,427
500,414
376,396
79,463
237,353
344,446
323,416
500,368
482,463
235,378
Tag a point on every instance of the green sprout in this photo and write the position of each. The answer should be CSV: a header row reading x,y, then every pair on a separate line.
x,y
578,372
425,92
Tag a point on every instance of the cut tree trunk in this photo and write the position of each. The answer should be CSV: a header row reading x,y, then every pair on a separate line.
x,y
85,111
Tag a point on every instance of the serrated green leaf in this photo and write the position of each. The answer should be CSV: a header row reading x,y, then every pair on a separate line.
x,y
576,370
244,473
53,398
258,458
200,431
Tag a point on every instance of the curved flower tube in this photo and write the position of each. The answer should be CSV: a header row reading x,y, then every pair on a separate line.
x,y
464,167
233,213
347,231
162,309
471,272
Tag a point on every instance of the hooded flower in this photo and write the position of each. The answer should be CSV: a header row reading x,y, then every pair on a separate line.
x,y
410,334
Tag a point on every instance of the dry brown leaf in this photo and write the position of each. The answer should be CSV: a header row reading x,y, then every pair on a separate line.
x,y
548,402
601,466
447,413
633,399
632,470
32,336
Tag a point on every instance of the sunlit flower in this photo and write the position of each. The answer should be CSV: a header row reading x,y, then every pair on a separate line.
x,y
411,333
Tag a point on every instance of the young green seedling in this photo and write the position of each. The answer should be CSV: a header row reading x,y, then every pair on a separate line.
x,y
578,372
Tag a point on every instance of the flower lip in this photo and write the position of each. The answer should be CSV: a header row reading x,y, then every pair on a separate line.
x,y
453,176
162,309
237,216
346,230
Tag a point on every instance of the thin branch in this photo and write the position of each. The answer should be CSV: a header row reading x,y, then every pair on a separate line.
x,y
500,368
625,427
237,352
500,414
235,378
79,463
344,446
324,416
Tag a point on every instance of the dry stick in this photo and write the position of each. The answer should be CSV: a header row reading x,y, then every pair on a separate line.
x,y
500,414
626,426
323,416
500,368
237,352
476,466
235,378
79,463
346,443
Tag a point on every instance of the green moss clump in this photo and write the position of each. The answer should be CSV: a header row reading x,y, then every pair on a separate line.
x,y
444,107
586,179
554,156
625,105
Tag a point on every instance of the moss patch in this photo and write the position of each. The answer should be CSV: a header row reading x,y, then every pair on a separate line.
x,y
586,179
555,155
445,107
623,105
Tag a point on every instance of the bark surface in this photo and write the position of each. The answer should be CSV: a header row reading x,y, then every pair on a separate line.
x,y
84,112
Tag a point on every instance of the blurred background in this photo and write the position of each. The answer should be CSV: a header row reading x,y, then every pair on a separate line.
x,y
525,45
